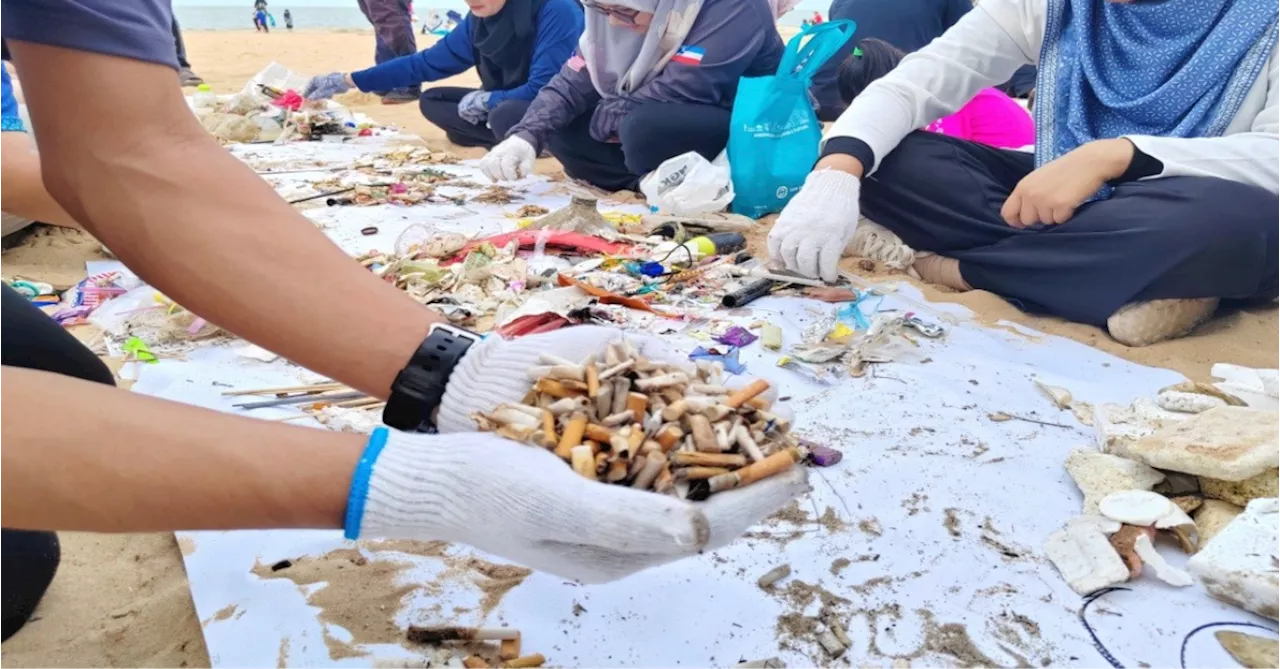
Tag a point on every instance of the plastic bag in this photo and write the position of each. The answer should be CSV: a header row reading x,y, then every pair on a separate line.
x,y
774,133
689,185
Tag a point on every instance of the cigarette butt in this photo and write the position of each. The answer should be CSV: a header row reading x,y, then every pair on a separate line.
x,y
572,436
709,389
758,403
653,464
514,433
611,355
637,402
696,458
722,437
767,663
740,397
576,386
598,433
621,387
418,634
665,481
635,438
602,463
593,381
704,438
565,405
535,660
510,414
583,461
509,649
675,410
672,394
742,436
554,388
620,418
620,444
548,429
773,576
617,369
773,464
474,662
663,381
566,372
649,446
604,400
618,470
699,473
717,412
668,437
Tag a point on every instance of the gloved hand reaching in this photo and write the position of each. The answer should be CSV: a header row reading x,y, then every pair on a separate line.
x,y
813,229
325,86
474,107
510,160
525,504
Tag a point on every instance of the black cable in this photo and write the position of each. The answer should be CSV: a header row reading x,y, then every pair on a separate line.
x,y
679,246
1182,655
1097,643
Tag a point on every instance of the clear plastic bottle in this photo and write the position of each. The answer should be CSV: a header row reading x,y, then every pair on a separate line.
x,y
204,99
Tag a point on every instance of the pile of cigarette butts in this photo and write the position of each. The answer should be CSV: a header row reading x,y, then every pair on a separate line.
x,y
629,420
508,639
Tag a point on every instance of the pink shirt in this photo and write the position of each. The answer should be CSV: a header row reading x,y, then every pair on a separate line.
x,y
990,118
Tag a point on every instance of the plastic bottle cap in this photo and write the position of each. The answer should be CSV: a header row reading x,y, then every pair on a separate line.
x,y
204,88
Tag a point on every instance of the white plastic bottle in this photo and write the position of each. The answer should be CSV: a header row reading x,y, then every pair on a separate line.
x,y
204,99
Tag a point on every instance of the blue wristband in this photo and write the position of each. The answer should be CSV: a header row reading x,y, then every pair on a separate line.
x,y
360,482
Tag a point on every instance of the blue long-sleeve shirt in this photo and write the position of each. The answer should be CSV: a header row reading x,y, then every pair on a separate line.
x,y
560,24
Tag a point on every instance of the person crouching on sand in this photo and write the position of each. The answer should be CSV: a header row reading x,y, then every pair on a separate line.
x,y
1152,193
990,118
516,46
652,79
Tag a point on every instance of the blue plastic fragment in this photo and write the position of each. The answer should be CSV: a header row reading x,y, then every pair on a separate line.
x,y
728,358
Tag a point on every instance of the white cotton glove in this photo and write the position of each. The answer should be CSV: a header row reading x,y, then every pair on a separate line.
x,y
474,107
510,160
811,232
524,503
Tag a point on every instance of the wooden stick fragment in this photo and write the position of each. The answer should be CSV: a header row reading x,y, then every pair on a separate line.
x,y
283,390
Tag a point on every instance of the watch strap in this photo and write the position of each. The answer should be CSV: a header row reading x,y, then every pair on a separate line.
x,y
419,388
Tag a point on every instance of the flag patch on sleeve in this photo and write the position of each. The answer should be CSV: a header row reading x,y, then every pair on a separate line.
x,y
689,55
576,63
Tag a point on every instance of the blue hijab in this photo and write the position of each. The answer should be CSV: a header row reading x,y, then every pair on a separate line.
x,y
1169,68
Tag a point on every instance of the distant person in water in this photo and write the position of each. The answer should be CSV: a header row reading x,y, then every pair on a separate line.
x,y
990,118
516,46
288,20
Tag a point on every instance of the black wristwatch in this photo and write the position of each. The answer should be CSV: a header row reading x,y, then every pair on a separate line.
x,y
419,387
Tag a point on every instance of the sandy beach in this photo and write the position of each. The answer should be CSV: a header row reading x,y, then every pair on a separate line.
x,y
122,600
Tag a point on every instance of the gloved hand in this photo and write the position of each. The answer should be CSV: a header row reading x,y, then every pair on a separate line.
x,y
510,160
325,86
811,232
474,107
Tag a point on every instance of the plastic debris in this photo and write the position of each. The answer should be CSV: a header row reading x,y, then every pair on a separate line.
x,y
737,337
823,456
727,358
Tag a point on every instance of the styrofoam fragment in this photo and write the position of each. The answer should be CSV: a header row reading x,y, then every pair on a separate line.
x,y
1085,558
1136,507
1182,402
1163,570
1238,565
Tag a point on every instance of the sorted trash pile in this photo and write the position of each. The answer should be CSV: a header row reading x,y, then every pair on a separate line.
x,y
1196,464
671,428
270,109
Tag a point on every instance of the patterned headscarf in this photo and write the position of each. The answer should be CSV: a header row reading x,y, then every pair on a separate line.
x,y
621,60
1174,68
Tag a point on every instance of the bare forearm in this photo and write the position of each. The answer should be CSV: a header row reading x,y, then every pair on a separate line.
x,y
130,463
842,162
197,224
24,192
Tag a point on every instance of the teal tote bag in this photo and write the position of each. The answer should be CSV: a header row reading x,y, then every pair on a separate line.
x,y
774,132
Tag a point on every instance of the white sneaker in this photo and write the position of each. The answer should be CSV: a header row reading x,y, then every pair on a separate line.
x,y
1144,323
876,242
